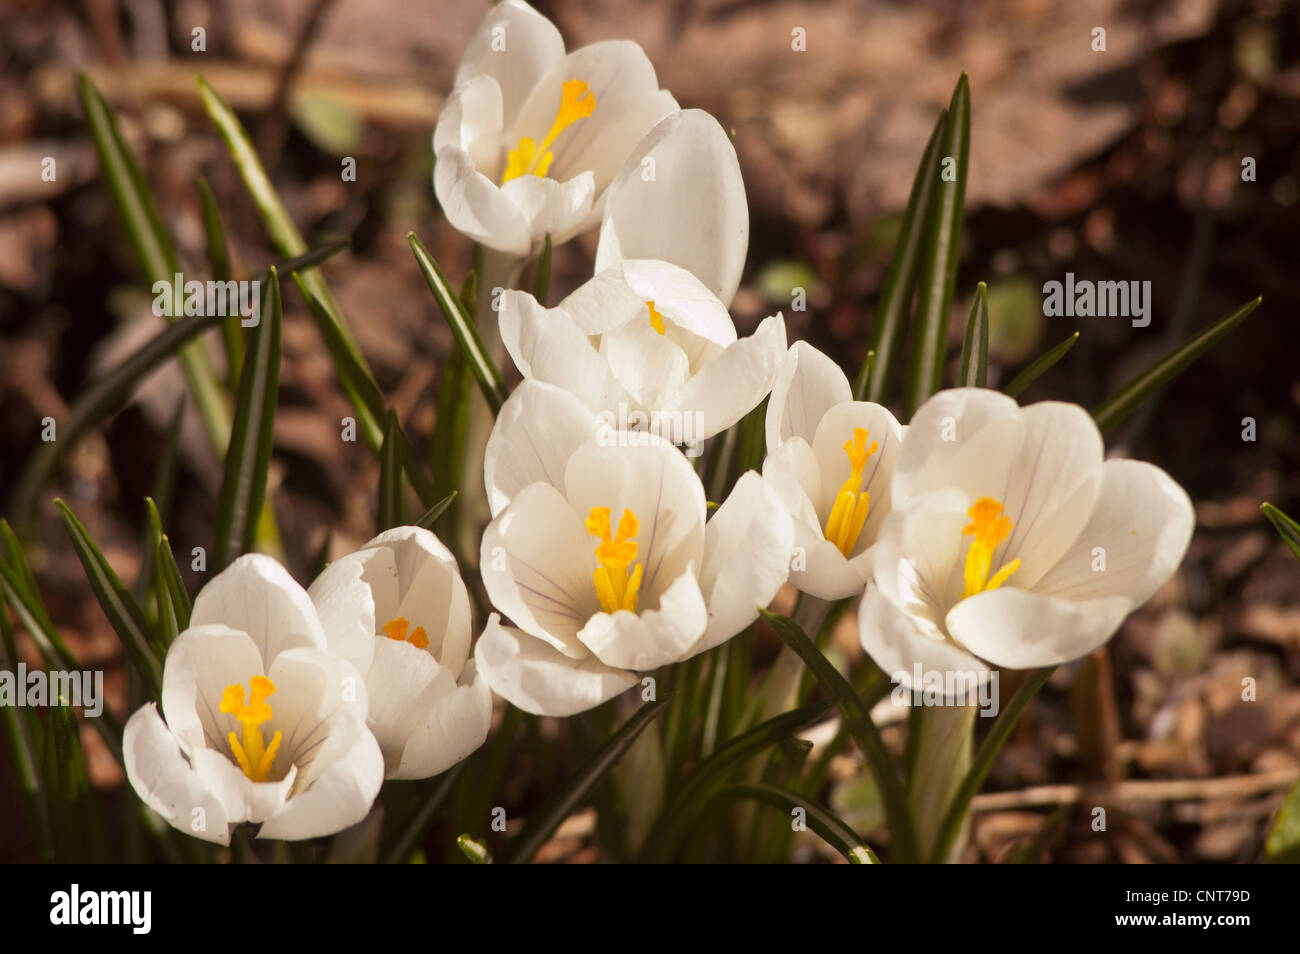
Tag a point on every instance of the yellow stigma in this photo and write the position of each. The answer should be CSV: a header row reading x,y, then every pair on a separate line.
x,y
849,513
616,553
989,527
396,629
253,755
656,319
577,101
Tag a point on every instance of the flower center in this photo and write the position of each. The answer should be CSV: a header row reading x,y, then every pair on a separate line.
x,y
253,755
576,102
396,629
989,527
656,319
616,590
849,512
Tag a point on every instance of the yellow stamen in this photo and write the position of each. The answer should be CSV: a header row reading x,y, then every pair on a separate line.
x,y
656,319
989,527
849,512
396,629
577,101
616,552
254,756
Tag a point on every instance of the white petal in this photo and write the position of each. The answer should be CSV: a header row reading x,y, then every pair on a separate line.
x,y
657,483
550,206
603,303
340,797
165,781
917,557
515,45
648,365
1143,521
795,475
893,641
257,596
835,429
941,429
432,593
350,595
747,548
475,205
537,563
1018,630
546,346
316,693
826,573
451,728
650,638
682,299
537,430
241,798
627,106
692,213
538,679
1051,489
201,662
471,121
806,386
733,384
401,674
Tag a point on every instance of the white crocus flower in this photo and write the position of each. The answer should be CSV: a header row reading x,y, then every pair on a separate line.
x,y
680,198
647,343
830,459
263,724
530,138
398,610
1011,543
599,552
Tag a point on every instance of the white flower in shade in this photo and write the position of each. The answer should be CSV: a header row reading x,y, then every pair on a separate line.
x,y
263,724
530,138
680,198
647,343
600,554
398,610
830,459
1011,543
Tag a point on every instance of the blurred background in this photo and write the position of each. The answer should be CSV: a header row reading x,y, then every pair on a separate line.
x,y
1122,164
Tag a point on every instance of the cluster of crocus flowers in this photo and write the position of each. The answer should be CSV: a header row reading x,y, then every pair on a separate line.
x,y
287,708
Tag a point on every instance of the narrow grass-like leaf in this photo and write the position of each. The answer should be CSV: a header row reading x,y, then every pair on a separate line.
x,y
409,838
169,583
832,829
437,510
123,612
462,326
1039,366
1124,402
974,368
905,269
474,849
939,256
863,381
153,247
390,476
1287,528
543,822
22,747
220,266
690,798
983,761
857,716
14,553
243,484
164,489
98,400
